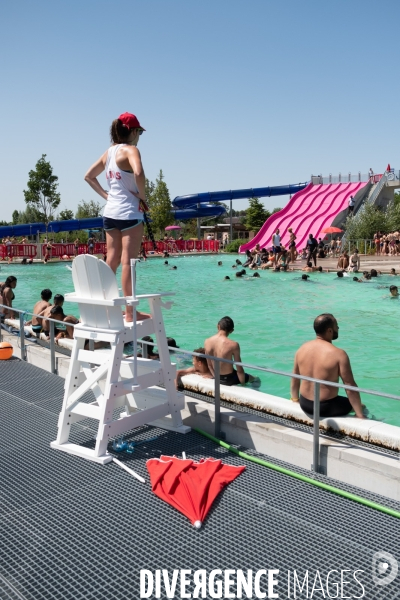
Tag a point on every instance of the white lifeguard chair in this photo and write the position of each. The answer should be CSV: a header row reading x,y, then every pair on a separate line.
x,y
114,379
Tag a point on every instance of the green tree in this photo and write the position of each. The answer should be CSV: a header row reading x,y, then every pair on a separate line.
x,y
66,214
276,210
42,191
15,217
366,222
160,205
256,215
149,190
30,215
87,210
4,223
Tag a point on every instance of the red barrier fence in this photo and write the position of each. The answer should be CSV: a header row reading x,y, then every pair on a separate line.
x,y
69,249
60,250
11,250
184,246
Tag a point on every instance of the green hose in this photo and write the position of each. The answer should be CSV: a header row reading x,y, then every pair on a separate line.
x,y
324,486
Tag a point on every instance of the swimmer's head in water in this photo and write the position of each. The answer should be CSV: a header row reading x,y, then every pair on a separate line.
x,y
227,277
393,271
220,263
238,262
339,273
239,274
243,272
368,276
171,343
226,324
374,273
355,278
394,290
256,274
305,277
320,269
234,266
174,267
309,264
165,262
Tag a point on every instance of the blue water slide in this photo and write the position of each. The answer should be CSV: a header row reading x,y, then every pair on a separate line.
x,y
53,227
186,207
183,207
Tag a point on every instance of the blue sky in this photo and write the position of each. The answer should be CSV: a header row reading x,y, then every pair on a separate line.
x,y
232,93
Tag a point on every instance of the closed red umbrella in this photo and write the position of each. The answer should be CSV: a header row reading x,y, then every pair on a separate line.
x,y
188,486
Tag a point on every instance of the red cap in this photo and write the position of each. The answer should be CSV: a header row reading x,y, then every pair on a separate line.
x,y
130,121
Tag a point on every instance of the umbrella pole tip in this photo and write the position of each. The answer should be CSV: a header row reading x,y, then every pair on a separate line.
x,y
197,524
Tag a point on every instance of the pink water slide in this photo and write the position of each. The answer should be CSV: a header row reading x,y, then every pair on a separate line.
x,y
309,211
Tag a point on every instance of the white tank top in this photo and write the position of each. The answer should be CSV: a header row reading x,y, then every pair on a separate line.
x,y
121,203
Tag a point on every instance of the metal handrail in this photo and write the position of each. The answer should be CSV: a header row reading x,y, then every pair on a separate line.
x,y
378,189
218,433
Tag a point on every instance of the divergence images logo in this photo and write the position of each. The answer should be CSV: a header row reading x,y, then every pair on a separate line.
x,y
384,568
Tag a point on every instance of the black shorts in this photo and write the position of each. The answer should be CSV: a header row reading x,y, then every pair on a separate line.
x,y
336,407
120,224
232,378
292,245
276,249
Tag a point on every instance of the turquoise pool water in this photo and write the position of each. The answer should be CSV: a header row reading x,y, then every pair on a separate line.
x,y
273,315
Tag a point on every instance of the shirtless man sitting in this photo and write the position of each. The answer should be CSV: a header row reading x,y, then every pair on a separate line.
x,y
40,307
200,367
343,261
221,346
321,360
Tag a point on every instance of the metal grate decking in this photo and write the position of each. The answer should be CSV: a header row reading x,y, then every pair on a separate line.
x,y
72,529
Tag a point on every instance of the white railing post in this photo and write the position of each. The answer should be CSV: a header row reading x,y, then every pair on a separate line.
x,y
217,400
52,349
22,335
315,466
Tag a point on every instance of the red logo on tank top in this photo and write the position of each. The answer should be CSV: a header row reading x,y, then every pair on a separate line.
x,y
113,175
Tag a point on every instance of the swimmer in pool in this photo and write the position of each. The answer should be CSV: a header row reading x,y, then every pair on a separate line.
x,y
200,367
320,359
394,292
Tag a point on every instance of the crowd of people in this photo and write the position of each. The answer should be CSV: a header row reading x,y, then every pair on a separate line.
x,y
387,244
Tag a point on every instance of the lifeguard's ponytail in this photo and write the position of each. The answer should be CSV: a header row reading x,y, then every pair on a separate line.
x,y
119,133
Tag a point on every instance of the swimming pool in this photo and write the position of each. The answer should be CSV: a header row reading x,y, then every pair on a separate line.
x,y
273,315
